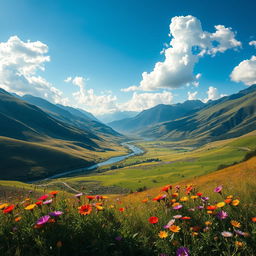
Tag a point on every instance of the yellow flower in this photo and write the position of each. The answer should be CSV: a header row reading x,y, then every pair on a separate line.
x,y
235,224
220,205
112,206
184,199
194,233
229,197
162,234
175,204
30,207
235,202
208,223
2,206
194,197
174,228
99,208
173,200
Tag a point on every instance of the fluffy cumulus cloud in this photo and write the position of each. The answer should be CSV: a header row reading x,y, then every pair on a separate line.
x,y
192,95
252,43
245,72
189,42
213,94
87,99
141,101
19,63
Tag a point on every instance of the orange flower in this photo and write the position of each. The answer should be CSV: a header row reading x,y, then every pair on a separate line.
x,y
235,224
144,200
9,209
90,197
159,197
17,219
253,219
211,207
121,209
162,234
54,193
185,218
174,228
85,209
153,220
228,200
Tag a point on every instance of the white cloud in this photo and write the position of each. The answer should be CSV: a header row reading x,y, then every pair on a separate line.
x,y
88,100
189,43
129,89
213,94
68,79
19,63
198,76
192,95
252,43
245,72
141,101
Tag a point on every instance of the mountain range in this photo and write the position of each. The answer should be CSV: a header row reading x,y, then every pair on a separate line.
x,y
199,123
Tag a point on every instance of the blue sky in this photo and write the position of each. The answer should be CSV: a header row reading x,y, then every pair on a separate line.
x,y
109,44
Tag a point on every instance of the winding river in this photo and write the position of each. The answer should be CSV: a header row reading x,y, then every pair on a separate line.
x,y
135,151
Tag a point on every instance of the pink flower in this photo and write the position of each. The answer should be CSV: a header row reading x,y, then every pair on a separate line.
x,y
218,189
43,220
226,234
171,222
177,207
222,215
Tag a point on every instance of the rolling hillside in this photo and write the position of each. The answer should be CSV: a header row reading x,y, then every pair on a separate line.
x,y
34,144
228,117
157,114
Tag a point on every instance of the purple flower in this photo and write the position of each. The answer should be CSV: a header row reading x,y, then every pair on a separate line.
x,y
222,215
118,238
200,207
177,207
171,222
218,189
43,220
182,251
48,201
56,213
205,198
239,232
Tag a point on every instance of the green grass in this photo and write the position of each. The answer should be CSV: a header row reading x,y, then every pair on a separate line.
x,y
176,164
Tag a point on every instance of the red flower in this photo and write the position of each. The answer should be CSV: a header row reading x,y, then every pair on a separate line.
x,y
185,218
39,203
90,197
9,209
166,188
153,220
43,197
199,194
85,209
121,209
211,207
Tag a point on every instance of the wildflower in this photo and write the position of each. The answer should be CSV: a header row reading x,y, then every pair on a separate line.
x,y
253,219
185,218
17,219
241,233
222,215
208,223
182,251
235,224
145,200
177,207
30,207
99,208
153,220
211,207
9,209
218,189
2,206
56,213
188,189
175,194
90,197
163,234
235,202
39,203
226,234
184,199
177,216
228,200
205,198
174,228
48,201
171,222
121,209
194,197
220,205
98,197
43,220
54,193
42,198
196,228
85,209
199,194
166,188
200,207
159,198
78,195
239,244
118,238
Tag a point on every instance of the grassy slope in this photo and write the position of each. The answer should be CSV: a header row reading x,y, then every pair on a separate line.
x,y
39,159
176,165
